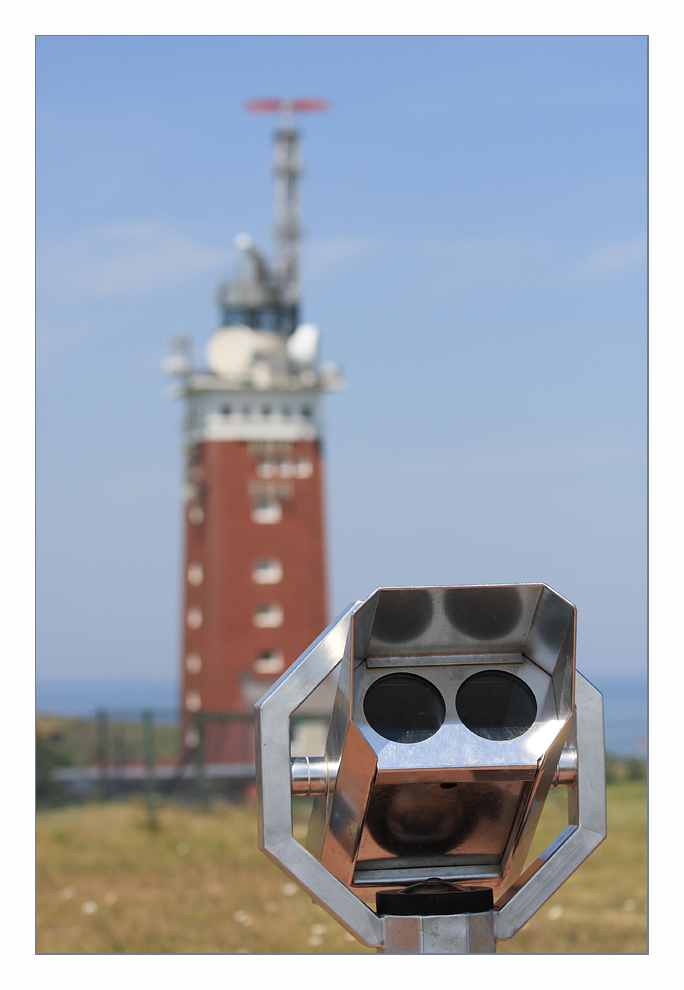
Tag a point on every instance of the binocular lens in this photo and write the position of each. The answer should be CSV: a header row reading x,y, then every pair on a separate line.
x,y
496,705
404,708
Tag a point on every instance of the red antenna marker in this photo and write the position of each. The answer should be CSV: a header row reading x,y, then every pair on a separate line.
x,y
302,105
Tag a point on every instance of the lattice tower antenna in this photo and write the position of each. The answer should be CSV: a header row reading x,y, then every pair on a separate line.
x,y
287,169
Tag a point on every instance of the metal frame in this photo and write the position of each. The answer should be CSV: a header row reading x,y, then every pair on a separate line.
x,y
586,827
585,831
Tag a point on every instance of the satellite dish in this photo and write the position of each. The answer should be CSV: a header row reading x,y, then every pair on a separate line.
x,y
302,345
230,351
244,242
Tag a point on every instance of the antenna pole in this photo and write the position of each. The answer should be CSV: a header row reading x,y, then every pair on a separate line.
x,y
287,170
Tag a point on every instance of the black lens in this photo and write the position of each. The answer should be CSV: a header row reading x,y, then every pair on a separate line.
x,y
483,613
496,705
402,615
404,708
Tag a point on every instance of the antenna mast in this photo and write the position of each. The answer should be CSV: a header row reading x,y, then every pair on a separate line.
x,y
286,170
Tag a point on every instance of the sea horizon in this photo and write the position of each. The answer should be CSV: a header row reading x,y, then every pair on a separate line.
x,y
625,704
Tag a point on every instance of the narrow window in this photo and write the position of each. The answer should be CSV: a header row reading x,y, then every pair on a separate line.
x,y
193,663
194,618
193,701
269,662
268,570
195,574
267,511
266,469
196,514
268,616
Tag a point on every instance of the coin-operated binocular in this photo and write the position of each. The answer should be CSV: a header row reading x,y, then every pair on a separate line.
x,y
457,709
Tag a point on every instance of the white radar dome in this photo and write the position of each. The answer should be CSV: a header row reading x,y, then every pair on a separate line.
x,y
243,242
230,351
302,345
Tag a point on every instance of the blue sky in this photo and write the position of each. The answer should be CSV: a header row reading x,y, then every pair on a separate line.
x,y
475,210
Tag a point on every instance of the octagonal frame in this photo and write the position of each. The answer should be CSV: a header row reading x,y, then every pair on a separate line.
x,y
586,800
274,787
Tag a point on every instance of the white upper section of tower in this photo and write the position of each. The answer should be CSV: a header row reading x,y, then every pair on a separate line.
x,y
260,385
252,416
262,382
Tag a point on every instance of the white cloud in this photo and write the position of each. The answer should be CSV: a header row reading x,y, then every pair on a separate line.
x,y
121,259
610,259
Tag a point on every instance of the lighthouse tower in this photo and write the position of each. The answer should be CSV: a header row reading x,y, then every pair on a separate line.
x,y
254,572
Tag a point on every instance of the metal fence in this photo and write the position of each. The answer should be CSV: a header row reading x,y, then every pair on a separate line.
x,y
157,753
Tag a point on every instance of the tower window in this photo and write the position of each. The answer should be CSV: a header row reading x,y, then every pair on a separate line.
x,y
193,701
269,662
304,468
226,410
193,663
268,616
306,411
196,514
266,410
266,469
268,570
194,618
267,511
195,574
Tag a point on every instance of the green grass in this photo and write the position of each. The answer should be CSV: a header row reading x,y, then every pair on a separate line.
x,y
74,742
107,882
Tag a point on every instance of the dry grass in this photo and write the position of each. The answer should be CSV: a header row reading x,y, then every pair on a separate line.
x,y
602,907
107,883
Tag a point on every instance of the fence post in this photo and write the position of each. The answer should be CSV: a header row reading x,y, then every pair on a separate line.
x,y
200,783
102,751
148,757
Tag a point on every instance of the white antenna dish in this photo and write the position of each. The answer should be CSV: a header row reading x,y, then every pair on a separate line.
x,y
244,242
230,351
302,345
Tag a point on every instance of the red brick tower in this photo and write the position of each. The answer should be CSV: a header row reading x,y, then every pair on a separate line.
x,y
255,580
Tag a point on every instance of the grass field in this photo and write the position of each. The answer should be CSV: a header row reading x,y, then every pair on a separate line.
x,y
75,742
109,883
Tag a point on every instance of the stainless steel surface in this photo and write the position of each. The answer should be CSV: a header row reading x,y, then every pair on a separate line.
x,y
453,737
440,934
274,789
587,820
566,771
347,810
438,660
441,780
309,775
445,636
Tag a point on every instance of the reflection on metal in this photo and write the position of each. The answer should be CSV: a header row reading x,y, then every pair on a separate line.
x,y
311,775
421,779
